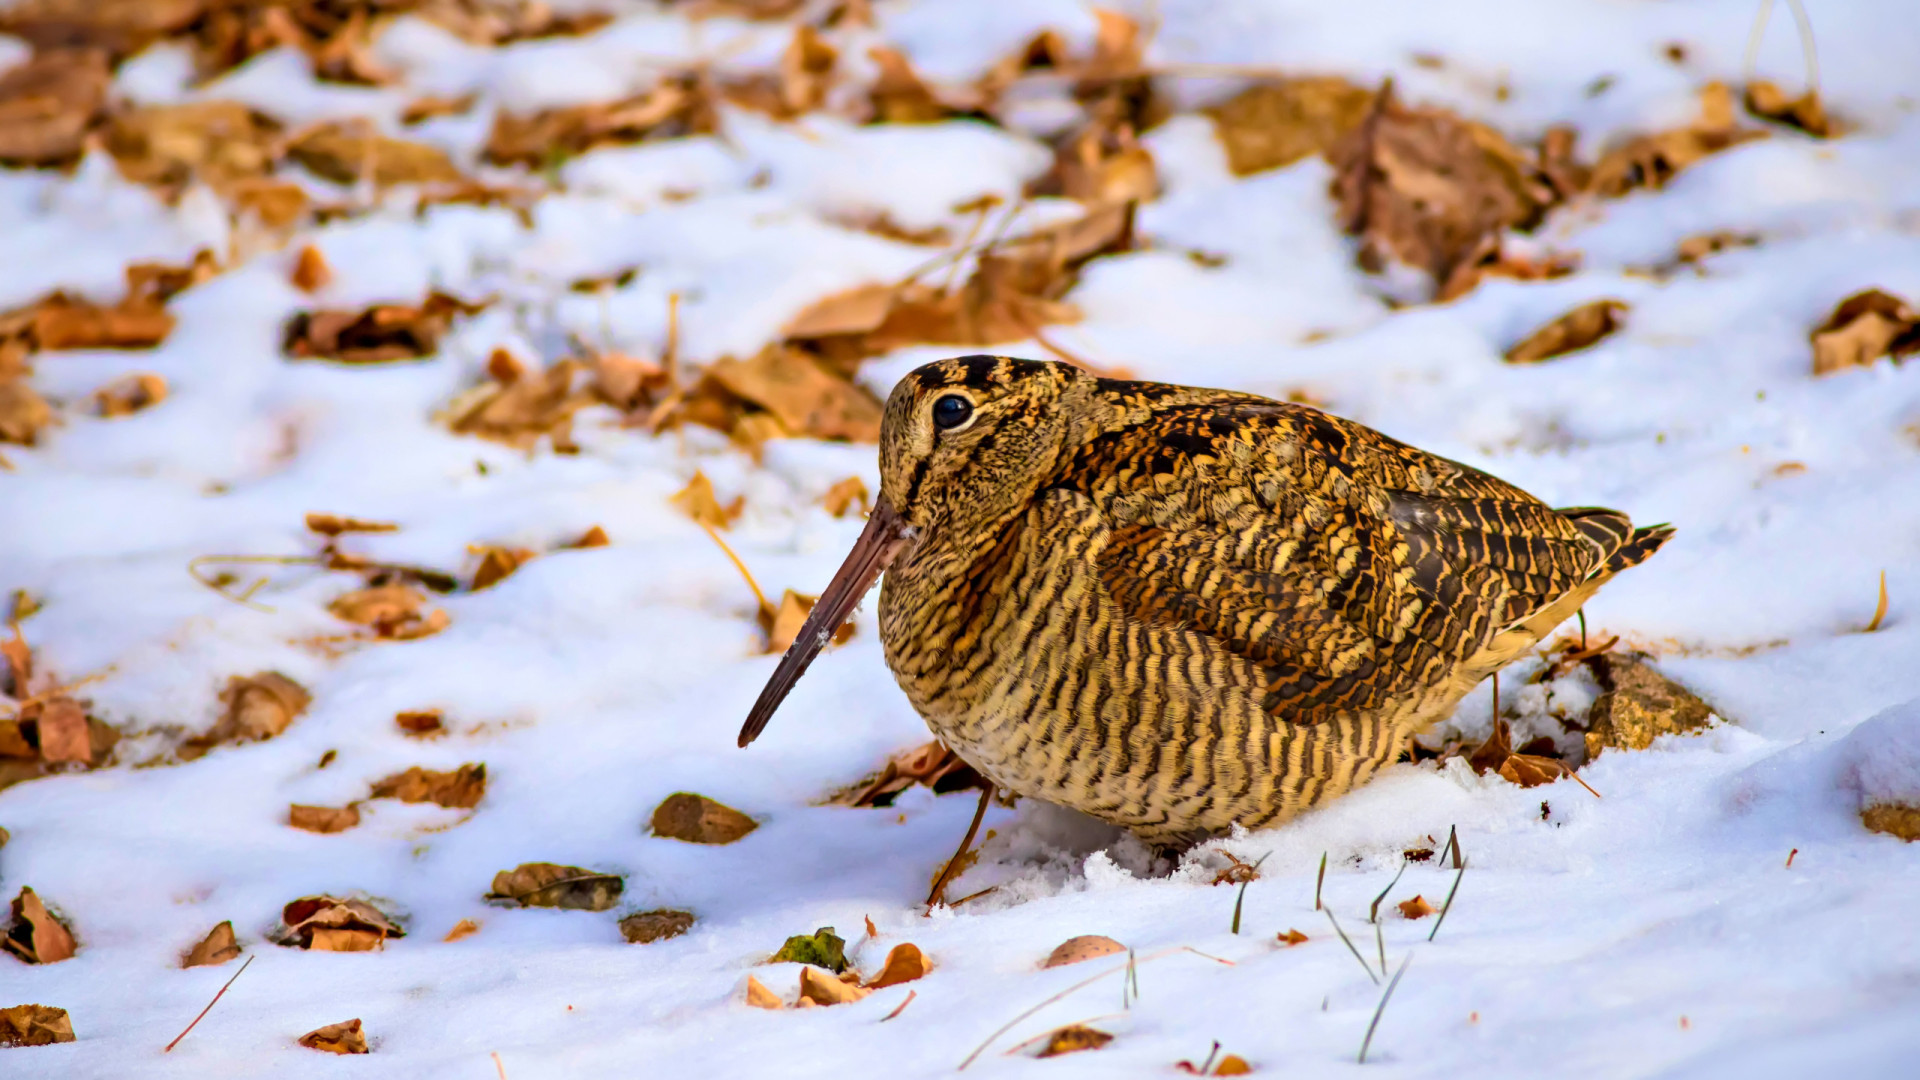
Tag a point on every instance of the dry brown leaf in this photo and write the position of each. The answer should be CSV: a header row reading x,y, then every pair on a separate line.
x,y
1072,1039
1639,705
218,947
1274,124
465,928
1102,163
555,886
276,204
1085,947
1768,102
804,396
331,924
1578,329
1430,190
221,143
420,722
522,411
64,322
822,988
905,963
1232,1065
379,334
36,936
23,413
1651,160
1894,819
497,563
760,997
783,623
697,819
47,104
626,382
129,394
1863,328
14,742
595,537
1417,908
681,105
806,70
931,763
1292,937
310,270
63,731
650,926
698,502
345,1038
348,152
841,496
323,819
257,707
34,1025
461,789
858,310
393,611
898,95
335,524
421,110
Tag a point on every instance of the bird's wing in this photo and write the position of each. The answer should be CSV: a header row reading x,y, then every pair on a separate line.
x,y
1349,567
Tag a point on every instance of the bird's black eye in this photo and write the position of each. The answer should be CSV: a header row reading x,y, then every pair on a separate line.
x,y
951,411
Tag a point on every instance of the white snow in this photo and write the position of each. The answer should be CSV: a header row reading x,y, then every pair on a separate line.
x,y
1660,930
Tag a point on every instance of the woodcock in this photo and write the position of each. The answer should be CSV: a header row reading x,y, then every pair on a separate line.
x,y
1178,609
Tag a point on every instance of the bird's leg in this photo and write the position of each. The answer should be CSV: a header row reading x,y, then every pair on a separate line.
x,y
953,865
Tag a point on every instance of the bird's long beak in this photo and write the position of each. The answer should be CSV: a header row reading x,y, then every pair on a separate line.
x,y
886,535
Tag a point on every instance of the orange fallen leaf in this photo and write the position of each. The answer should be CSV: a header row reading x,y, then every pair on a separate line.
x,y
463,929
1863,328
378,334
1292,937
36,936
1578,329
841,496
63,731
393,611
760,997
1085,947
310,270
34,1025
592,538
23,413
697,819
905,963
343,1038
1416,908
420,722
1072,1039
460,789
323,819
647,927
698,502
332,924
129,394
497,563
822,988
335,524
784,625
218,947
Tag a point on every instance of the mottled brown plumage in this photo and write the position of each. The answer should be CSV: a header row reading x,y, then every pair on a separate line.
x,y
1179,609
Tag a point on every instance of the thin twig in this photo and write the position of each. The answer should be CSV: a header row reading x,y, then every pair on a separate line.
x,y
1380,940
738,565
1373,913
1453,845
1319,881
952,868
1083,983
902,1007
1880,609
1448,905
1382,1008
1809,54
209,1008
1583,783
1349,943
499,1066
1240,899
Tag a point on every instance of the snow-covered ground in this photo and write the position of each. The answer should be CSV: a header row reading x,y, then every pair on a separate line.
x,y
1657,931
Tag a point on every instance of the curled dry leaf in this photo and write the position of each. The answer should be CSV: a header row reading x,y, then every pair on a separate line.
x,y
323,819
649,926
1894,819
275,204
1863,328
822,948
497,563
841,497
350,151
806,398
256,707
783,624
335,524
223,144
23,412
460,789
331,924
1578,329
677,106
420,722
1417,908
344,1038
34,1025
520,410
36,936
899,96
698,502
63,732
905,963
1292,937
310,270
465,928
393,611
1430,190
1072,1039
1638,705
551,885
129,394
47,104
378,334
760,997
218,947
1651,160
822,988
1273,124
931,763
697,819
1768,102
1085,947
